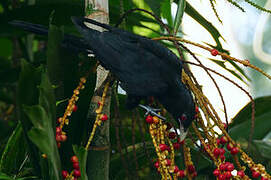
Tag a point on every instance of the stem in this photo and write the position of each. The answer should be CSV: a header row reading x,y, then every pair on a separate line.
x,y
99,150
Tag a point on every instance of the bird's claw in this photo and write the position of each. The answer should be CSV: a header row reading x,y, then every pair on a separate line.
x,y
152,111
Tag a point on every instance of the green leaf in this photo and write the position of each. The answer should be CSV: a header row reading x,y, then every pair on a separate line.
x,y
34,89
3,176
155,6
166,12
222,64
14,152
42,135
240,127
27,94
179,15
262,106
264,147
205,23
81,153
47,98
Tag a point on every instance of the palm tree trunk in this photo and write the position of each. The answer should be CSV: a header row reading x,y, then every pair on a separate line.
x,y
99,150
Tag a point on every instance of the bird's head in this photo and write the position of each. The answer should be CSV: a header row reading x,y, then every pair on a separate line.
x,y
184,121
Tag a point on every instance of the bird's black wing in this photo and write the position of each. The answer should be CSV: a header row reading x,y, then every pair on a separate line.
x,y
138,69
143,66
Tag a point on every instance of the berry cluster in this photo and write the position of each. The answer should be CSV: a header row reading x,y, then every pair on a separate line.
x,y
71,107
225,171
76,173
165,141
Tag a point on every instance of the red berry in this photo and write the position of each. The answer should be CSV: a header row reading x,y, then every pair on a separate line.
x,y
74,159
216,172
74,108
218,141
64,174
234,151
222,157
163,147
222,151
197,109
195,174
223,140
181,173
58,144
76,165
225,125
76,173
263,178
176,145
58,138
255,174
191,168
180,142
222,167
63,137
58,130
172,135
156,164
149,119
227,174
230,167
104,117
216,152
168,162
176,169
229,146
214,52
241,174
221,177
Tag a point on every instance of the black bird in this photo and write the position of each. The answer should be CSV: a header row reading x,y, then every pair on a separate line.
x,y
144,67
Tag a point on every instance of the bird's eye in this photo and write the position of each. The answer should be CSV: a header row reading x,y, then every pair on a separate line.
x,y
183,117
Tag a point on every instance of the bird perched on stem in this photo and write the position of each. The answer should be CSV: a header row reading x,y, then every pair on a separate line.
x,y
144,67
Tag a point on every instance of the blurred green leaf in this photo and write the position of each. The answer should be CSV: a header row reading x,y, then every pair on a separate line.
x,y
14,152
264,147
37,108
42,135
179,15
166,12
222,64
4,176
6,47
262,106
28,94
193,13
240,126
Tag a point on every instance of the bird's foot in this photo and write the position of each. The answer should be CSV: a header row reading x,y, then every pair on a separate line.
x,y
152,111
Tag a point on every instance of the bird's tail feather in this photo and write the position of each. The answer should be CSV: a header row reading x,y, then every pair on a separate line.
x,y
34,28
69,41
